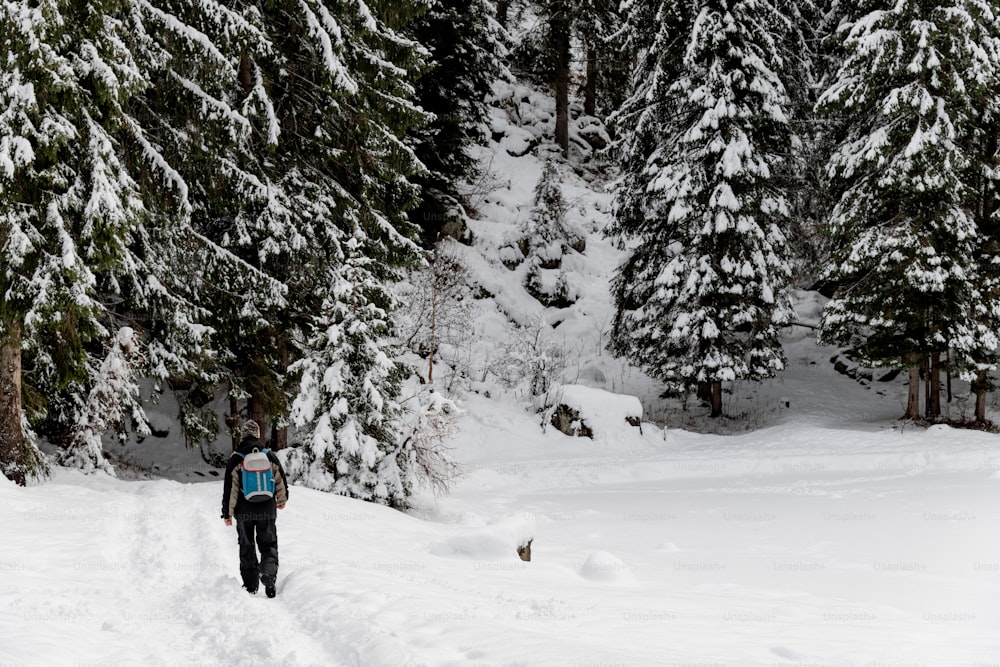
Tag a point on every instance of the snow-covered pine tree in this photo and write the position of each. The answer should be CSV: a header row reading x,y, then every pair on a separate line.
x,y
210,114
560,26
354,164
546,238
109,201
300,112
466,47
376,165
611,58
905,242
702,296
597,22
807,66
175,264
347,401
72,215
113,403
27,35
174,107
976,363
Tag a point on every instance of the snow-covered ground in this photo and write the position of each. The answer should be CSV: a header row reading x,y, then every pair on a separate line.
x,y
820,540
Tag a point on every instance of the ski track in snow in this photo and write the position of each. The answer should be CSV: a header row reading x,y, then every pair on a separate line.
x,y
136,567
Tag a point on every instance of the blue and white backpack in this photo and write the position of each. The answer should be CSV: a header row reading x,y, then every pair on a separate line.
x,y
257,478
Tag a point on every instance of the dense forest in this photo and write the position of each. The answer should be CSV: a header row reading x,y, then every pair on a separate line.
x,y
221,196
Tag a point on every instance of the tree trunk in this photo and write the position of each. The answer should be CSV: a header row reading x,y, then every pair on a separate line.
x,y
279,436
12,463
255,411
233,421
933,398
913,390
947,376
926,365
980,387
590,89
246,75
433,343
560,27
716,399
704,392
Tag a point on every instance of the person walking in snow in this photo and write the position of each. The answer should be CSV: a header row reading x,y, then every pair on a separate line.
x,y
256,515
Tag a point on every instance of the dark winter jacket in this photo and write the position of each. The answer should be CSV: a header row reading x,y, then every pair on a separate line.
x,y
233,502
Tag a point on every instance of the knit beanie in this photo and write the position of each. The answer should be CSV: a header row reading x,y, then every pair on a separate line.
x,y
251,428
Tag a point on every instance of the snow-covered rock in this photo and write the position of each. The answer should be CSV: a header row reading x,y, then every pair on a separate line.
x,y
594,413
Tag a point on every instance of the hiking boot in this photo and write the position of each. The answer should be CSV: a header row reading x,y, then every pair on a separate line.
x,y
270,590
251,591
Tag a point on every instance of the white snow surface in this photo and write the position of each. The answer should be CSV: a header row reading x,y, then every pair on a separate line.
x,y
800,543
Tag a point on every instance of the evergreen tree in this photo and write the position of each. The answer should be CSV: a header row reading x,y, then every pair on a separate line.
x,y
905,240
616,49
113,403
301,111
210,113
976,362
227,155
547,238
702,296
591,22
597,22
466,50
806,68
74,217
347,399
350,172
27,35
545,52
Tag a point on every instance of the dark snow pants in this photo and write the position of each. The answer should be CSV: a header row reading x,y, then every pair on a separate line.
x,y
258,524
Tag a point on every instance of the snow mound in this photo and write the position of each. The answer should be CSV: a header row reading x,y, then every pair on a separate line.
x,y
606,568
517,141
601,412
497,541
